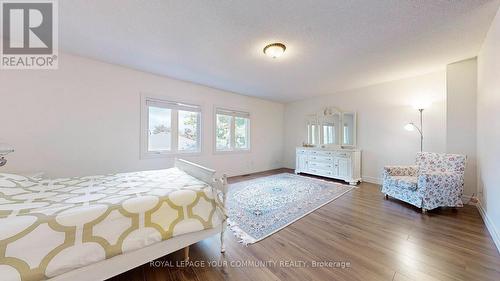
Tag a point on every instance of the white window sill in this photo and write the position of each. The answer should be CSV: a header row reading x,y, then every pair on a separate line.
x,y
240,151
152,155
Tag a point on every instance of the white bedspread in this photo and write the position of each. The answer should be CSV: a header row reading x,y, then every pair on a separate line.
x,y
49,227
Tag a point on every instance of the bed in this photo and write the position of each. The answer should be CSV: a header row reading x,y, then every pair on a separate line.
x,y
95,227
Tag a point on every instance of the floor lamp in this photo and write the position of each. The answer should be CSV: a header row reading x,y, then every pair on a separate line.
x,y
412,126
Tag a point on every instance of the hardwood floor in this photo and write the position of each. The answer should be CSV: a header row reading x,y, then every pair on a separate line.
x,y
380,239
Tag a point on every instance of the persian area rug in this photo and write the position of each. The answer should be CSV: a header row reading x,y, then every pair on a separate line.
x,y
260,207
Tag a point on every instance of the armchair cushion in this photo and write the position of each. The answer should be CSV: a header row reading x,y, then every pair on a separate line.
x,y
402,182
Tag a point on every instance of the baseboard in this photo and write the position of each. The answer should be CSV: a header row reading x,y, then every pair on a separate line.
x,y
489,225
372,179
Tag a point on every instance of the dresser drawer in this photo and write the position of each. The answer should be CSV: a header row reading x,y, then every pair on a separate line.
x,y
320,153
318,158
321,165
342,154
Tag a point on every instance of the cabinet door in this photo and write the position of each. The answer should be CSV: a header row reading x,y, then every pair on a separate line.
x,y
344,168
301,162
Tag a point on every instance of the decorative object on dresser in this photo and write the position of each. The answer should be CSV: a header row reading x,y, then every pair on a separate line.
x,y
330,150
437,180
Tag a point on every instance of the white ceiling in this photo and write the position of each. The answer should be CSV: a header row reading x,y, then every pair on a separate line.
x,y
331,45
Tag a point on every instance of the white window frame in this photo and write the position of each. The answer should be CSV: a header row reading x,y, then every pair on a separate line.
x,y
174,106
233,113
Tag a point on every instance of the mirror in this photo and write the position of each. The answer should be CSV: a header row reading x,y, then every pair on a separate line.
x,y
348,129
331,127
312,130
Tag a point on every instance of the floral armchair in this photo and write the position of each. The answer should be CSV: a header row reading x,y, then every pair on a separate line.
x,y
437,180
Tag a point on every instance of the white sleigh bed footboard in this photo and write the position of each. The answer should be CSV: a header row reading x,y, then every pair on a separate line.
x,y
126,261
219,186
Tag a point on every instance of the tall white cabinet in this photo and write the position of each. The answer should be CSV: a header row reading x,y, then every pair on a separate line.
x,y
343,164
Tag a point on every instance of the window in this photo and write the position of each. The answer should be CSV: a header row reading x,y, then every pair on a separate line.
x,y
241,127
170,127
188,130
160,129
224,123
232,130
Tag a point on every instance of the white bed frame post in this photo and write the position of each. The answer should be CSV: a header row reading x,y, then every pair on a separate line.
x,y
224,222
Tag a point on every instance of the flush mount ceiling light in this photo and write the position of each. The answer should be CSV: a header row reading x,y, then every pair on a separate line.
x,y
274,50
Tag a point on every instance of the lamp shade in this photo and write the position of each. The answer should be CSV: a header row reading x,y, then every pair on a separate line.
x,y
5,149
409,127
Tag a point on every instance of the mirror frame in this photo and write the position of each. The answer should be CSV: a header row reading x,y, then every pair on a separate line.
x,y
354,125
312,119
317,118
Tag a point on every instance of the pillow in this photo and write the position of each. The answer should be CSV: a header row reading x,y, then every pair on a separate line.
x,y
13,180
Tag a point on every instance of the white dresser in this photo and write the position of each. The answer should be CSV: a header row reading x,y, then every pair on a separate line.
x,y
343,164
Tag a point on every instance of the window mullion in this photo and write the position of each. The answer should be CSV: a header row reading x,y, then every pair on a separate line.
x,y
175,130
199,133
248,124
232,134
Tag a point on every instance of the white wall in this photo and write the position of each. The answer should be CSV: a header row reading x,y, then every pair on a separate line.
x,y
488,128
383,110
84,119
461,93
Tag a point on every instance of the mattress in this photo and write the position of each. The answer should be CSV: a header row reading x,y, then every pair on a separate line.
x,y
48,227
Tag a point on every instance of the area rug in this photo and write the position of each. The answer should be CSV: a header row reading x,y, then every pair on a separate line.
x,y
260,207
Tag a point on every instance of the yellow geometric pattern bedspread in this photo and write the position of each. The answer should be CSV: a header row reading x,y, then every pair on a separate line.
x,y
49,227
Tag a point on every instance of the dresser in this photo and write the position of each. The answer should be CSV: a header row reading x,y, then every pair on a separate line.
x,y
336,163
